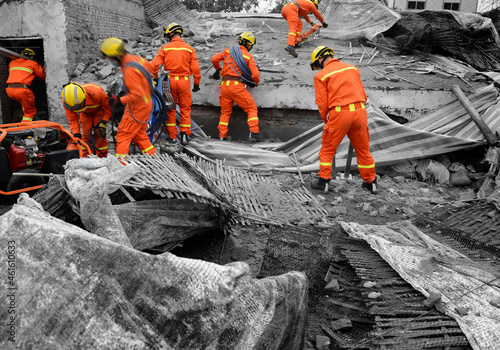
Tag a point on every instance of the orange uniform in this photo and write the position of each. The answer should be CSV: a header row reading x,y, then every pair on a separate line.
x,y
341,98
179,59
292,12
94,109
138,105
21,74
233,90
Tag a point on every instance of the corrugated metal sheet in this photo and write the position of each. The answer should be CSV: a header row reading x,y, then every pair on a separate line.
x,y
446,130
163,12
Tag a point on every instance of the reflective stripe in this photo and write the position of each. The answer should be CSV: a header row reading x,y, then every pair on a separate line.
x,y
147,149
246,57
252,119
171,124
103,148
223,123
337,71
85,108
185,125
298,33
352,107
292,34
176,77
325,164
21,68
177,49
229,81
121,155
366,166
27,118
146,98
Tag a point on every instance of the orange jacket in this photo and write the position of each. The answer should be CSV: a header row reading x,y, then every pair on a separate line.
x,y
226,68
337,84
96,100
307,7
139,92
23,71
179,59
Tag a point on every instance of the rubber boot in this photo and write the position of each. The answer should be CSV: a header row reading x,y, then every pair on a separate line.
x,y
255,137
320,184
291,50
372,186
184,139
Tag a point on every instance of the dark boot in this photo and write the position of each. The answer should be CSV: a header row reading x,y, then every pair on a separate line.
x,y
291,50
255,137
184,139
297,45
372,187
320,184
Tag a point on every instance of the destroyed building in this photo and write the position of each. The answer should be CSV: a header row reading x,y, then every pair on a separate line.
x,y
198,249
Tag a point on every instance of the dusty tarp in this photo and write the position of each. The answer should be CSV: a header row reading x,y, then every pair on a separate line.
x,y
350,19
75,290
470,293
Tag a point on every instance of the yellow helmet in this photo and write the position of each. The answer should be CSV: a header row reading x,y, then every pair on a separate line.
x,y
247,38
315,2
28,53
320,52
113,47
73,96
173,28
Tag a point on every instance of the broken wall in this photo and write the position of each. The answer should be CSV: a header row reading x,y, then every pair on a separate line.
x,y
41,19
71,31
89,22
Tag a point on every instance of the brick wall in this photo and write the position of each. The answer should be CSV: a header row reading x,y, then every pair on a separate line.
x,y
89,22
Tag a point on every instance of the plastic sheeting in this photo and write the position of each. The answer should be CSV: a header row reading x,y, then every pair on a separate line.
x,y
75,290
351,19
431,267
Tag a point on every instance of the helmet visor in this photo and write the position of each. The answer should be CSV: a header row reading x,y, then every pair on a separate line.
x,y
73,108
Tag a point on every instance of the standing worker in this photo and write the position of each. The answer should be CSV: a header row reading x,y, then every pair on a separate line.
x,y
22,72
138,99
341,99
239,70
179,59
292,12
88,111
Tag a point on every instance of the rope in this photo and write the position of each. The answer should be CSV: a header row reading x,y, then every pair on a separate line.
x,y
236,55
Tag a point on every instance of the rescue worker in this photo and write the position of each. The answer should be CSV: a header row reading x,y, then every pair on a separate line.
x,y
292,12
341,99
137,100
233,89
88,111
22,72
179,59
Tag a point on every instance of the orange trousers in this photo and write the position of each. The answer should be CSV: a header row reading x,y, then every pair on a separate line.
x,y
180,87
87,121
134,130
27,100
291,14
231,92
354,124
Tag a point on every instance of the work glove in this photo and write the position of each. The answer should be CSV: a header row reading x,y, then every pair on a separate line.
x,y
312,23
196,87
155,82
78,136
216,75
102,128
324,25
114,101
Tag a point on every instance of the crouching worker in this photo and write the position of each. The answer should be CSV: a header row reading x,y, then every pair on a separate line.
x,y
238,71
88,111
341,99
138,99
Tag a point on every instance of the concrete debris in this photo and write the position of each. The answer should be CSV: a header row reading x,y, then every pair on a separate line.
x,y
341,325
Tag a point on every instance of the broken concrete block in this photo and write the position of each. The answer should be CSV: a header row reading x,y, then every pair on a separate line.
x,y
369,284
469,195
79,69
495,303
462,311
343,324
434,300
333,285
374,295
145,39
379,77
105,71
398,179
366,206
322,341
